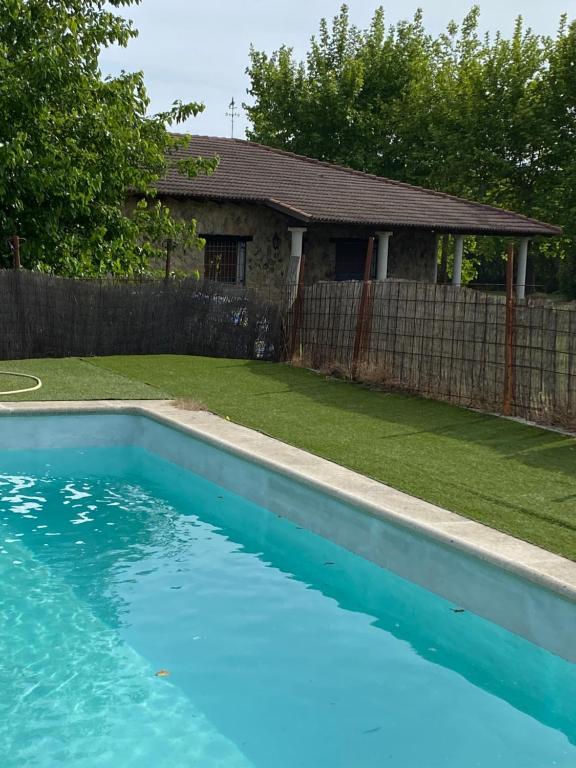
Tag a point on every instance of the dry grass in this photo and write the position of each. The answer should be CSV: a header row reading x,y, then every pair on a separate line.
x,y
378,376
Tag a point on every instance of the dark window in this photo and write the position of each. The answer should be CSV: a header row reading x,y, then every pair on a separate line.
x,y
351,258
225,259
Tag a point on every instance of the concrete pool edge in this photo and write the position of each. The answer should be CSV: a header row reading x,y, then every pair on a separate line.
x,y
173,510
380,501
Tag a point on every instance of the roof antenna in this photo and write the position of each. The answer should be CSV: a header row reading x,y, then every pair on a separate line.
x,y
232,114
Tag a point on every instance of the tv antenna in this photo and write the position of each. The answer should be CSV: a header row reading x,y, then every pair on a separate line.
x,y
232,114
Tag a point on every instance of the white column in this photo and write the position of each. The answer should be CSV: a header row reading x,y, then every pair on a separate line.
x,y
295,253
458,256
521,272
383,247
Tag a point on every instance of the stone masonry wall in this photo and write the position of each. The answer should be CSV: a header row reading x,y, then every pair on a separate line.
x,y
412,254
266,267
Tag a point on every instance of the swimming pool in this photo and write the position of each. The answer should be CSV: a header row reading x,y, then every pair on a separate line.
x,y
154,616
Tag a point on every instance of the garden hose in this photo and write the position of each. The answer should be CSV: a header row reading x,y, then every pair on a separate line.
x,y
23,376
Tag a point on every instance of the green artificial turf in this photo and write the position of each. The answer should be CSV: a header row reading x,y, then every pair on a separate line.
x,y
517,478
72,379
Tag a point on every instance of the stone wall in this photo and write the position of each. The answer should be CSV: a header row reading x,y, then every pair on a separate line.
x,y
321,250
266,267
412,254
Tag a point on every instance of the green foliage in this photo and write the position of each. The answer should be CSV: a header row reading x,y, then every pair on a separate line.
x,y
72,142
160,231
487,118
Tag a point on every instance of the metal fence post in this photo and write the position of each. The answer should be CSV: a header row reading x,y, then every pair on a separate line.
x,y
16,251
364,309
168,265
508,399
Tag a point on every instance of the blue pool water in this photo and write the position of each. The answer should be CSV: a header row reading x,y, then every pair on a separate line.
x,y
283,650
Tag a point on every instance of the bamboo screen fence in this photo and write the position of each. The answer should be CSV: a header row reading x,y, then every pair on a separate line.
x,y
465,346
450,343
45,316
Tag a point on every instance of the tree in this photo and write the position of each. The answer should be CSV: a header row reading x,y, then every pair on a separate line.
x,y
160,233
342,104
557,182
72,143
486,118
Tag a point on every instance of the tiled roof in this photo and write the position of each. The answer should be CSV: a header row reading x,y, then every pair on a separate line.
x,y
314,191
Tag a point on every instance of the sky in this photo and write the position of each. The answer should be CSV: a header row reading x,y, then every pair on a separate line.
x,y
199,51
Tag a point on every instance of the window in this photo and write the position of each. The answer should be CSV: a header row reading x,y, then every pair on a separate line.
x,y
351,258
225,259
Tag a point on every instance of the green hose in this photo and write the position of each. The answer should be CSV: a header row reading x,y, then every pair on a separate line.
x,y
23,376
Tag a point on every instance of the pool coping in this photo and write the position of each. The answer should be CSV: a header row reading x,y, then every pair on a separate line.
x,y
526,560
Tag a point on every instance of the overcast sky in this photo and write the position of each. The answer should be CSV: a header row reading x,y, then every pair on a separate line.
x,y
198,51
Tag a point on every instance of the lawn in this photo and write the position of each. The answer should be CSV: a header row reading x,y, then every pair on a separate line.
x,y
517,478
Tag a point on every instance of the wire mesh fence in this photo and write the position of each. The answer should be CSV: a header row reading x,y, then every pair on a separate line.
x,y
45,316
466,346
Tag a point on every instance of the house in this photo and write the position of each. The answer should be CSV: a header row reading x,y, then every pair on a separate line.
x,y
263,208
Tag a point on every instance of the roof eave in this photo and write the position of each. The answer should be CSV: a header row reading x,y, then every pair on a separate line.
x,y
545,230
277,205
289,210
535,230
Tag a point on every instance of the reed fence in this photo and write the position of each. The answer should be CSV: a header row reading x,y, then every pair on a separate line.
x,y
467,346
45,316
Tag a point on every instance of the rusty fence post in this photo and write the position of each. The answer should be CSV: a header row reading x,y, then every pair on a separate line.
x,y
297,310
509,384
15,242
363,323
168,266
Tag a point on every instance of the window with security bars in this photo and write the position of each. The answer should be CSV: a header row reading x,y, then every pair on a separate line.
x,y
225,259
